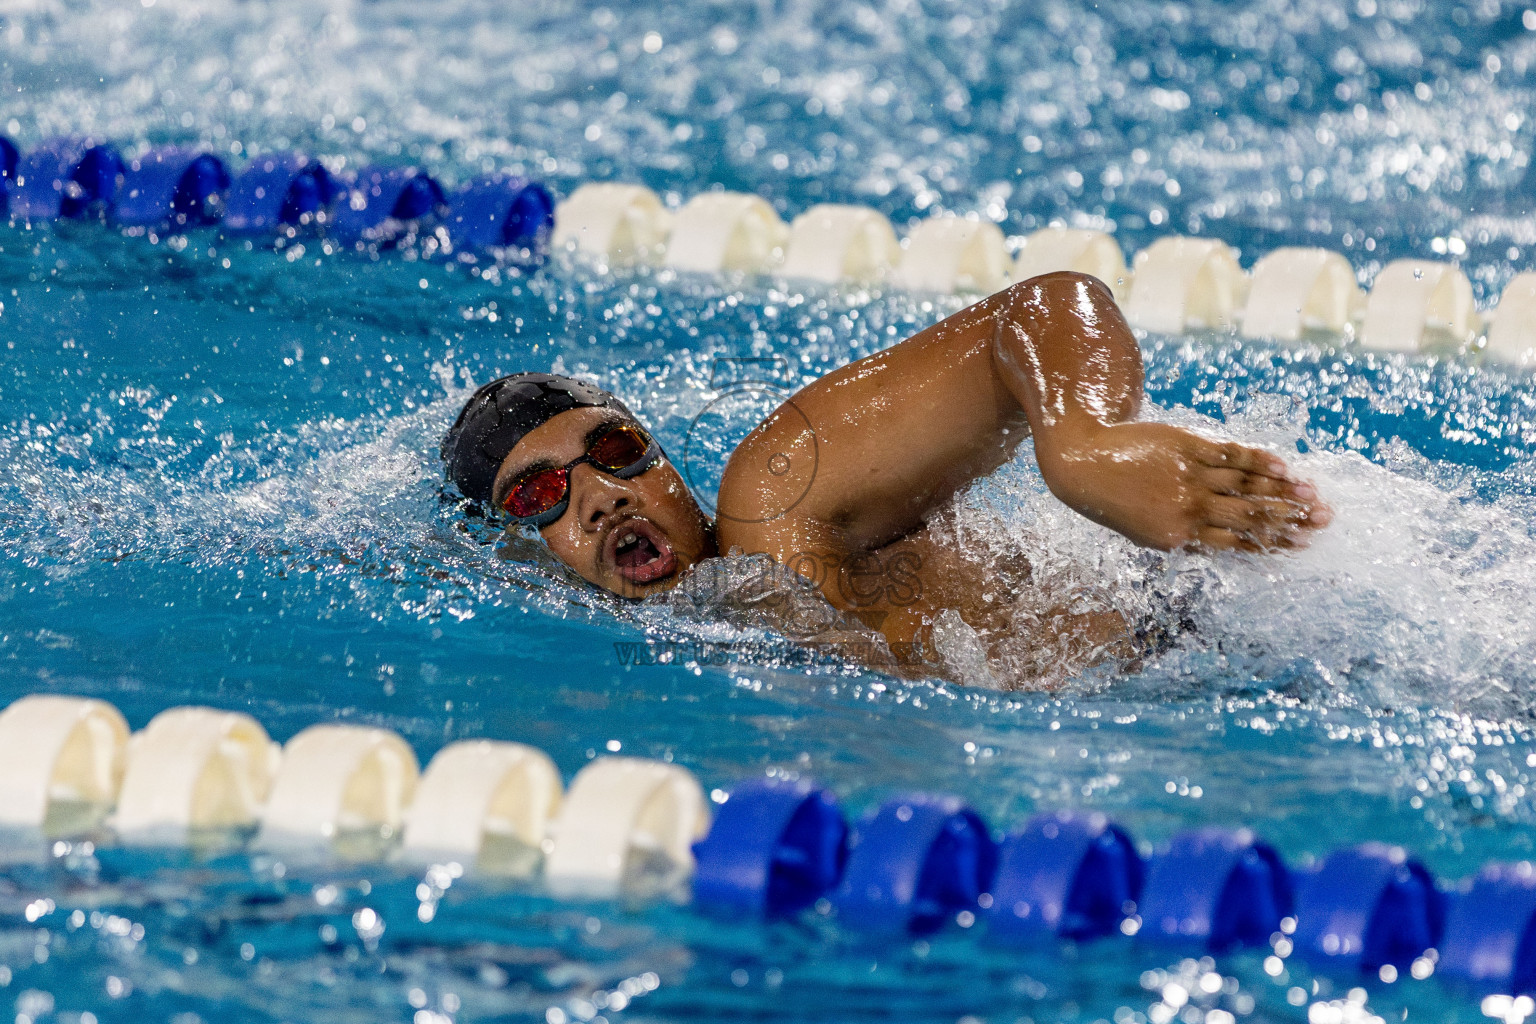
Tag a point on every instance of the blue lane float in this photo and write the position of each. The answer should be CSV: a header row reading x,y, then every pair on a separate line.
x,y
502,212
384,204
508,218
1217,888
1490,932
1072,876
8,157
172,187
914,864
776,847
1368,907
278,191
66,179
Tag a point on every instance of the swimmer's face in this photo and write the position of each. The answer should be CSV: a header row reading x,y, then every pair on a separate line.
x,y
633,537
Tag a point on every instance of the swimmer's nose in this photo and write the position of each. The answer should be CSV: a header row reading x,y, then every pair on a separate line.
x,y
597,496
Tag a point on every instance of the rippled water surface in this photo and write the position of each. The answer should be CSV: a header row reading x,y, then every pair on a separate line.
x,y
218,479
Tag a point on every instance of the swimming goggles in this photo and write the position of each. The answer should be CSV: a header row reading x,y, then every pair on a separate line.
x,y
538,497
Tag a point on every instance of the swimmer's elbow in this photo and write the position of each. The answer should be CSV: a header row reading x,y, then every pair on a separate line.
x,y
1034,288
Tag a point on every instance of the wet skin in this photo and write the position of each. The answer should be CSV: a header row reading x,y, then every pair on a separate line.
x,y
844,477
654,507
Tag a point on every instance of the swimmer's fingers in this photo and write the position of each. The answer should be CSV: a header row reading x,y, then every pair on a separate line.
x,y
1237,469
1317,515
1231,455
1217,538
1267,522
1242,483
1248,512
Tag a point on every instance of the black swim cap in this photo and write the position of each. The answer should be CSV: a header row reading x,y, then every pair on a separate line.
x,y
498,415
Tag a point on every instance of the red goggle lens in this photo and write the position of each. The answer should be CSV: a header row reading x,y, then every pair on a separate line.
x,y
536,494
620,448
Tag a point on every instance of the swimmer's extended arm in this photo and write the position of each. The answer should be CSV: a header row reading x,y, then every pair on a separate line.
x,y
863,455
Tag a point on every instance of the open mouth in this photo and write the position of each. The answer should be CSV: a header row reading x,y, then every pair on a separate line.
x,y
640,552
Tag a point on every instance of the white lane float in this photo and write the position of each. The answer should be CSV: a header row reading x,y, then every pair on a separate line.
x,y
617,223
1298,289
339,782
61,762
484,803
833,243
953,254
194,768
726,231
1077,249
1419,304
625,822
1512,332
1186,283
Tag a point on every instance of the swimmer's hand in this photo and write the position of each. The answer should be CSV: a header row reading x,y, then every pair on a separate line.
x,y
1167,488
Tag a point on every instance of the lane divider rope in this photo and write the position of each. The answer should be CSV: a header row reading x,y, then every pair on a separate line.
x,y
1175,285
772,847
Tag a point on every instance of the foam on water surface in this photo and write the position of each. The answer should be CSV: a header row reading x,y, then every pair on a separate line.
x,y
218,482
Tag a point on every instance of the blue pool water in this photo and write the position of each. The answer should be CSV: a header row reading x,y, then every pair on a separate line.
x,y
218,479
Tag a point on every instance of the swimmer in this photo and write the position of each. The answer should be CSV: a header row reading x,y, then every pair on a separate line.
x,y
841,483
